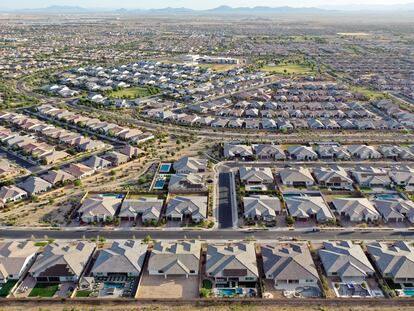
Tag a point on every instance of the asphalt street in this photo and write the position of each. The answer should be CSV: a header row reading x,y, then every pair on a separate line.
x,y
122,233
225,218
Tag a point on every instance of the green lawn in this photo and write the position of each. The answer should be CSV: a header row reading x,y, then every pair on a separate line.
x,y
134,92
46,290
6,288
83,293
288,69
41,244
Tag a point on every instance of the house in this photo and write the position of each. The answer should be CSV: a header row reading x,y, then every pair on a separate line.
x,y
34,185
182,207
371,177
54,157
333,178
256,175
124,257
230,264
363,152
395,209
238,151
345,260
175,259
132,152
303,207
99,208
402,176
333,152
62,262
296,177
183,183
15,259
116,158
11,194
261,207
269,152
97,163
356,209
146,208
394,261
187,165
302,153
58,177
289,265
79,170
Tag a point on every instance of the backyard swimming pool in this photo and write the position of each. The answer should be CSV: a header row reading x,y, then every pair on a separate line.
x,y
388,196
114,285
165,168
409,291
227,292
159,184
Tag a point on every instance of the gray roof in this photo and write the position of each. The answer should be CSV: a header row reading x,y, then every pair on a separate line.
x,y
126,256
306,206
330,175
13,256
10,192
345,259
71,255
393,260
261,206
356,207
298,174
96,162
288,262
225,259
256,174
231,150
34,185
194,205
144,206
175,258
190,164
100,205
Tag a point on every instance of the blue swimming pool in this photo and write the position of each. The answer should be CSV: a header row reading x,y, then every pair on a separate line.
x,y
227,292
165,168
409,291
159,184
114,285
388,196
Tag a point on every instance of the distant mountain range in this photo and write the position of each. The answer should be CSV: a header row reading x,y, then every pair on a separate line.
x,y
225,10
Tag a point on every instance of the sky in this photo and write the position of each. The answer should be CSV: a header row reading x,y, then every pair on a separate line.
x,y
193,4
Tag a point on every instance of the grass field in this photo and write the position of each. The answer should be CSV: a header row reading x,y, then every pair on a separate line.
x,y
46,290
288,69
134,92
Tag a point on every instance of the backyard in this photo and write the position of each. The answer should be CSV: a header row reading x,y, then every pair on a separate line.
x,y
6,288
44,290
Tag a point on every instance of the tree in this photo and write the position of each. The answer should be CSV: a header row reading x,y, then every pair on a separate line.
x,y
290,220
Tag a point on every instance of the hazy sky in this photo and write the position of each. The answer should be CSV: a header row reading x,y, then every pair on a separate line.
x,y
195,4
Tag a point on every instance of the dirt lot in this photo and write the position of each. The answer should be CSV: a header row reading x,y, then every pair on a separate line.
x,y
172,287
